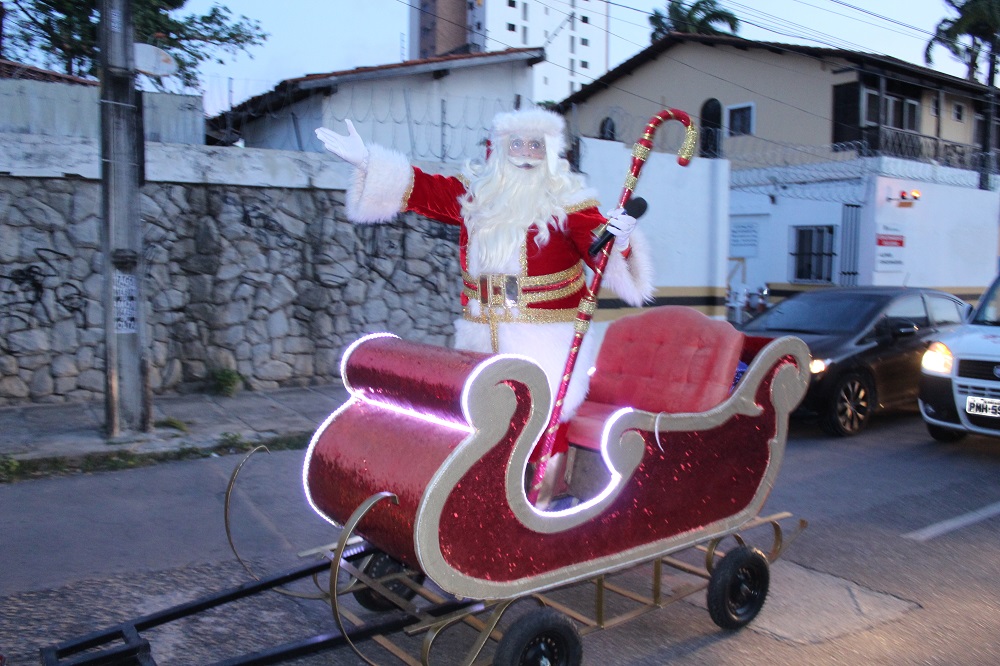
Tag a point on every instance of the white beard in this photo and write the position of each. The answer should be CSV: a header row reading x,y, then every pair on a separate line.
x,y
517,199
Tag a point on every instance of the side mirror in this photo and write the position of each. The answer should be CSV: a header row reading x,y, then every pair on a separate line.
x,y
903,329
892,329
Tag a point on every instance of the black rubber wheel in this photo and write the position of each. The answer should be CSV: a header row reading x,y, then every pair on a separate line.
x,y
378,566
945,434
737,587
543,637
852,402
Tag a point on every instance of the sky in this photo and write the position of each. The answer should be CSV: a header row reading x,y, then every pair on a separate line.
x,y
315,36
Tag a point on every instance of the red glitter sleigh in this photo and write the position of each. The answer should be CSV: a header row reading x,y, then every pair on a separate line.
x,y
446,435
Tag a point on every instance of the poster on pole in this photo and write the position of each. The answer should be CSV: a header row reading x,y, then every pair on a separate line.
x,y
126,302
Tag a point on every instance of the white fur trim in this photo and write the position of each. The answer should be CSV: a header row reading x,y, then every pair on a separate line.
x,y
546,344
632,278
377,191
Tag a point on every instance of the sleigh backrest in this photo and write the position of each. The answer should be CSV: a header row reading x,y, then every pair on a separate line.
x,y
667,359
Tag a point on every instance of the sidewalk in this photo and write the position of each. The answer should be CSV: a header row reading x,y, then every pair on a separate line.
x,y
203,421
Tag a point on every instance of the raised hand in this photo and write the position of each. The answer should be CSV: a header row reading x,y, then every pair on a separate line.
x,y
349,147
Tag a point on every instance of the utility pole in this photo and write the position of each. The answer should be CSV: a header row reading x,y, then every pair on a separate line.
x,y
987,166
127,400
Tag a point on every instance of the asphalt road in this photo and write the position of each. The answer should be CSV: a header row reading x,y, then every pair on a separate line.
x,y
898,564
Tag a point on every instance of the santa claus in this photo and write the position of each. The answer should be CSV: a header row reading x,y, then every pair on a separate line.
x,y
526,223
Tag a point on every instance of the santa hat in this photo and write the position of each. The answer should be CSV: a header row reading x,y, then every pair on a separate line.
x,y
533,123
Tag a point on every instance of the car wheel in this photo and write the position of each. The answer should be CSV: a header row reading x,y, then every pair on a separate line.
x,y
737,587
944,434
852,402
541,637
379,566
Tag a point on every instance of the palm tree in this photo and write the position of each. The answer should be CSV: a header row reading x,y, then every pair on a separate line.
x,y
701,18
979,22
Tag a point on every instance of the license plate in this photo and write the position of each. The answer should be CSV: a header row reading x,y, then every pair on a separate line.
x,y
982,406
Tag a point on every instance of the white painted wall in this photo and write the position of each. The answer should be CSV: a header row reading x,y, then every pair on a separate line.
x,y
405,112
688,216
55,157
950,236
73,110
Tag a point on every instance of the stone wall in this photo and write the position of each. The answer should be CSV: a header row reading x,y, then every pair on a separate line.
x,y
270,281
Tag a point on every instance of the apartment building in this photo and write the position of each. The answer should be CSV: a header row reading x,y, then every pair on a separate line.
x,y
574,34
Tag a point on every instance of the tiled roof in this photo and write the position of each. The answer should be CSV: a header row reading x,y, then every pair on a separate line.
x,y
15,70
292,90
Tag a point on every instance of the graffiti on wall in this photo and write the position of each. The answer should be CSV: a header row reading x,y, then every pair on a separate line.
x,y
39,293
257,217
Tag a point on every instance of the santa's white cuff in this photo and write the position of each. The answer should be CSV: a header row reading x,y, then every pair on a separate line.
x,y
632,278
379,190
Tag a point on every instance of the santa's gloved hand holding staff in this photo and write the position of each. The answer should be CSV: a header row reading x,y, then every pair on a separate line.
x,y
526,224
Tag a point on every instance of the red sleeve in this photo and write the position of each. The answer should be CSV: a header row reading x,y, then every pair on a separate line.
x,y
436,197
581,227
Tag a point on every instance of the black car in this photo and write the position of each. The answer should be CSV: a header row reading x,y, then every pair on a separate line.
x,y
866,344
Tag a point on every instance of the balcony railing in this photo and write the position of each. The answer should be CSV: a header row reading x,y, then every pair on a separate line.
x,y
751,152
889,142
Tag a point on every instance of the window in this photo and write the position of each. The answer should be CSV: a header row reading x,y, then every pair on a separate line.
x,y
584,19
899,112
944,310
572,44
813,255
511,27
584,41
572,66
979,132
907,310
607,131
958,112
935,106
524,11
740,120
584,64
524,34
512,3
871,107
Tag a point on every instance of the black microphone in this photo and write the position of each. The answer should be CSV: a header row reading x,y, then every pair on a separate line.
x,y
635,207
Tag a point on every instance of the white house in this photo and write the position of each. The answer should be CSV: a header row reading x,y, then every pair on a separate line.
x,y
434,110
821,144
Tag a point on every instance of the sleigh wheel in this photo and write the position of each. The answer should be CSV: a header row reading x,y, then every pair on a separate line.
x,y
378,566
543,637
738,587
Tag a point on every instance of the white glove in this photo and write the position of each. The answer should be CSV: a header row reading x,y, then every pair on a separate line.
x,y
349,148
621,224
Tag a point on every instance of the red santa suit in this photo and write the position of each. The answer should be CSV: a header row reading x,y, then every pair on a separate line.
x,y
528,305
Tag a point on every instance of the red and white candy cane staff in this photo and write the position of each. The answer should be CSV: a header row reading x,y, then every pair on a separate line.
x,y
588,305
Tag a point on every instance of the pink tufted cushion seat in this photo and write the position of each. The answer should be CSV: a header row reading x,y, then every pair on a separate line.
x,y
667,359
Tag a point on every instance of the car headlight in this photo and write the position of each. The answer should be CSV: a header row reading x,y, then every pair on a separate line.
x,y
938,359
818,365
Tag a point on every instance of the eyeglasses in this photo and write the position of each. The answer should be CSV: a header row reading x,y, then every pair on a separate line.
x,y
521,147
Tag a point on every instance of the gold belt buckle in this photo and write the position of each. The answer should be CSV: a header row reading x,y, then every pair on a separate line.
x,y
498,289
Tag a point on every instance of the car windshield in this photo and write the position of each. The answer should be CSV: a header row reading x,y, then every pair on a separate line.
x,y
817,312
988,311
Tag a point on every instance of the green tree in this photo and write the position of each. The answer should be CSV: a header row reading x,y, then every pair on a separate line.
x,y
64,33
968,35
700,17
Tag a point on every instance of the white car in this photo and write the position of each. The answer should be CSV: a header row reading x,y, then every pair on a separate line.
x,y
960,375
